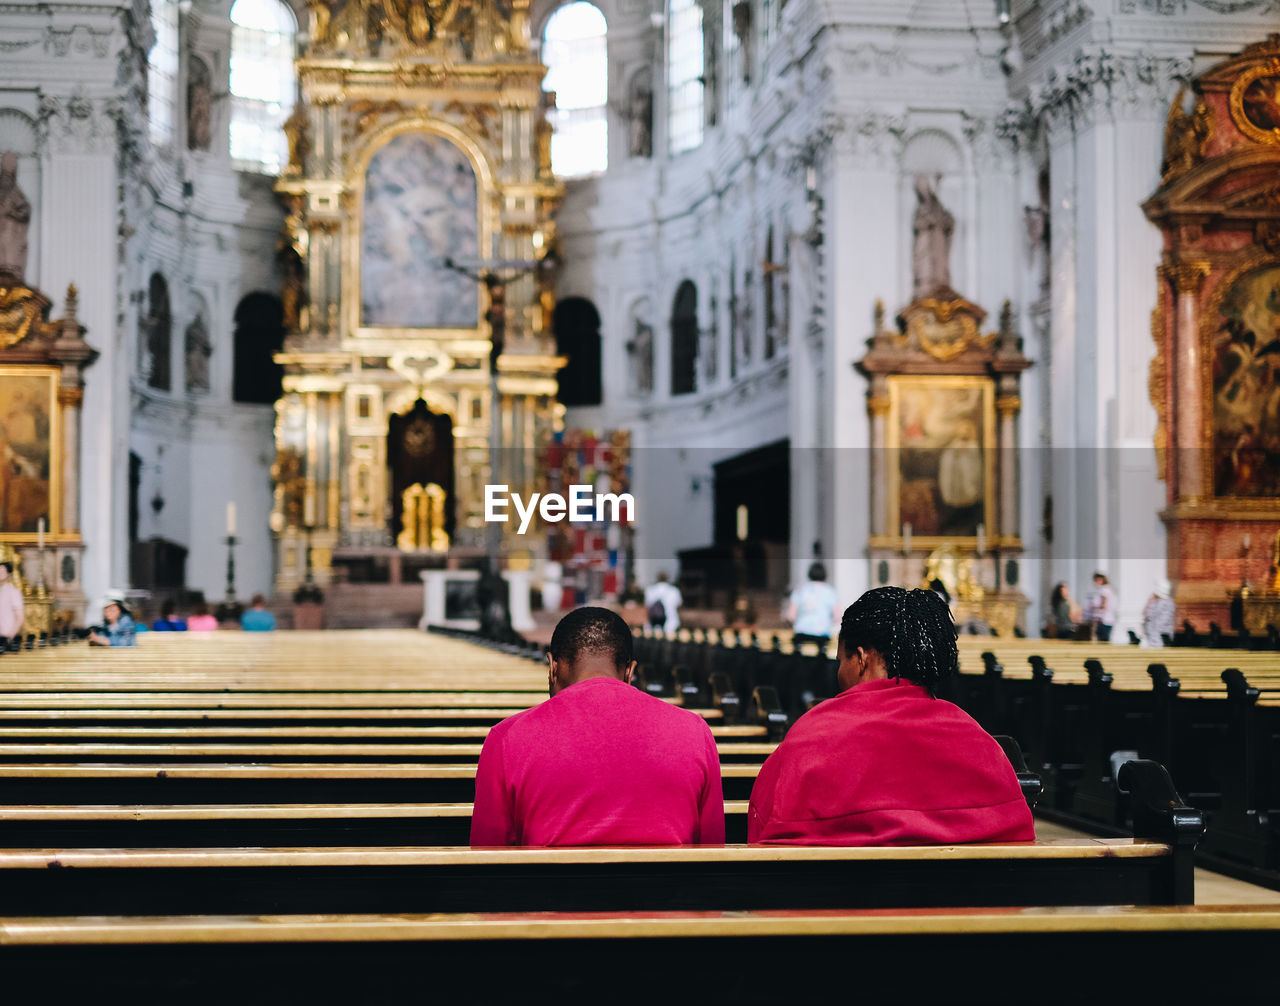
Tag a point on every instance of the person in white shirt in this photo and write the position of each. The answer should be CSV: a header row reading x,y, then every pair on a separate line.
x,y
12,609
1100,607
662,602
814,608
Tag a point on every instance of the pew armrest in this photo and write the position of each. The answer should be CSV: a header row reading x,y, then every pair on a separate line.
x,y
1029,782
1160,815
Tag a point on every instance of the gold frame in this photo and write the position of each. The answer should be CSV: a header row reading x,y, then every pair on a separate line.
x,y
487,224
55,533
898,384
1212,504
1271,68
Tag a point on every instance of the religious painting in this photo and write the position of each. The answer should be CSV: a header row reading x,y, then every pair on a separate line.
x,y
28,474
1246,386
941,440
421,206
1261,102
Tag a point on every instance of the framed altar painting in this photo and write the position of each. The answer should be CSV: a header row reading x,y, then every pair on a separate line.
x,y
1243,328
29,447
941,439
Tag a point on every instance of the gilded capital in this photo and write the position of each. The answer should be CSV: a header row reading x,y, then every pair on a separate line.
x,y
1185,276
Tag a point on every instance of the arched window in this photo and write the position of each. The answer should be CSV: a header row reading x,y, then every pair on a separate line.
x,y
770,299
262,83
685,113
573,48
577,326
684,339
162,72
259,336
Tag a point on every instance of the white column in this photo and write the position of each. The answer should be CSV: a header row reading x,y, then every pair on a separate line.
x,y
80,247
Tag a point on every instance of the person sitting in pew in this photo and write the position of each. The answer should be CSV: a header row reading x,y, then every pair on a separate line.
x,y
117,627
601,763
886,762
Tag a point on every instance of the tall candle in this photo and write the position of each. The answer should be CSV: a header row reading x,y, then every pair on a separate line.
x,y
982,538
40,533
231,518
1247,541
906,537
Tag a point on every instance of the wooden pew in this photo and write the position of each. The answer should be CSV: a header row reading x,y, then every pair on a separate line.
x,y
315,782
1154,869
257,825
1113,955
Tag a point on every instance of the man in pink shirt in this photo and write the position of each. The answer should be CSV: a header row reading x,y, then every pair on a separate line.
x,y
601,762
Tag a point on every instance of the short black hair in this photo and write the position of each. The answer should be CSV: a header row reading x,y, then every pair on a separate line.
x,y
7,565
817,571
592,630
911,629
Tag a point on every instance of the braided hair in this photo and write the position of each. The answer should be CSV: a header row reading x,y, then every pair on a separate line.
x,y
912,630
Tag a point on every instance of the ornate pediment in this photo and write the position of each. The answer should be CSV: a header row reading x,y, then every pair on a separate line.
x,y
392,29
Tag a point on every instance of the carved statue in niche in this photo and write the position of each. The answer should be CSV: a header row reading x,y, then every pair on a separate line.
x,y
320,21
295,131
198,351
641,349
293,291
543,131
640,116
15,221
932,226
1185,134
199,106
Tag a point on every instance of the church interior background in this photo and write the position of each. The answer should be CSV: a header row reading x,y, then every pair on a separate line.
x,y
987,286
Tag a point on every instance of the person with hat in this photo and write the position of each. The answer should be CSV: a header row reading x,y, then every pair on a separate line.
x,y
1158,615
119,629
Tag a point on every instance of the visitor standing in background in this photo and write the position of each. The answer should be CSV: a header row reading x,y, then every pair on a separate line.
x,y
258,618
1100,607
1157,615
662,603
1064,614
12,610
814,608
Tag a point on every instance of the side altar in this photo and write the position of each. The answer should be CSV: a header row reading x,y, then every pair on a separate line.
x,y
943,400
418,262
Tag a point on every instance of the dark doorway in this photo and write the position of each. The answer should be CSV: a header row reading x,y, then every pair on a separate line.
x,y
759,480
256,377
420,452
577,326
684,339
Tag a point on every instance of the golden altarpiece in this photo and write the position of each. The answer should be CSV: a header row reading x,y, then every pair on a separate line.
x,y
419,198
943,403
42,364
1215,376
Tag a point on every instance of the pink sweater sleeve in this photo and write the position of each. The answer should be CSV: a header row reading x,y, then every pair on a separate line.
x,y
711,812
492,822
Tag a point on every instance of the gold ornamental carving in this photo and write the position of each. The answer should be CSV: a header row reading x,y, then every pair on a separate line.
x,y
423,520
20,309
1185,276
945,328
1185,136
1255,102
